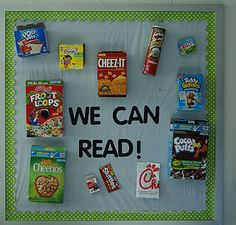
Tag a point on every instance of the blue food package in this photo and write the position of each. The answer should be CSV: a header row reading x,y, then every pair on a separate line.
x,y
31,40
190,92
186,46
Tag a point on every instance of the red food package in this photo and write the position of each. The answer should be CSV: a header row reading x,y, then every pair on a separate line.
x,y
109,178
111,73
44,108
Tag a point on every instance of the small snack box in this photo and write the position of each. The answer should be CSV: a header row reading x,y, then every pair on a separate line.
x,y
188,149
31,40
148,181
190,92
71,56
186,46
111,73
47,168
44,108
109,178
92,183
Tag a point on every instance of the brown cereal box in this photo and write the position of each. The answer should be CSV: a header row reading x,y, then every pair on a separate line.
x,y
111,73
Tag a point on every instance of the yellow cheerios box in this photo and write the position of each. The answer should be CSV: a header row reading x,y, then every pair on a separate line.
x,y
71,56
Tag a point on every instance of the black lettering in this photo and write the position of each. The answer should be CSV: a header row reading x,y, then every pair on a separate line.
x,y
79,112
97,148
116,120
134,117
84,146
147,111
129,149
94,115
110,149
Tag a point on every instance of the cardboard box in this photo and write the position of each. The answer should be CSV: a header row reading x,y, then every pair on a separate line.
x,y
71,56
47,168
44,108
111,73
188,149
31,40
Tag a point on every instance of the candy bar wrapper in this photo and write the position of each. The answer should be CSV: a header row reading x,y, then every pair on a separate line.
x,y
47,168
109,178
148,182
31,40
188,149
71,56
186,46
44,108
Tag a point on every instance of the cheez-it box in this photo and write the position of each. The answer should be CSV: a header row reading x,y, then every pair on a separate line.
x,y
111,73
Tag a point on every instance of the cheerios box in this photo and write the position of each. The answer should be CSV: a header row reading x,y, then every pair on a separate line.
x,y
47,168
31,39
111,73
44,108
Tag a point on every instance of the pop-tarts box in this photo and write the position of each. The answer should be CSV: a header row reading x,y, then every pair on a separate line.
x,y
190,92
31,40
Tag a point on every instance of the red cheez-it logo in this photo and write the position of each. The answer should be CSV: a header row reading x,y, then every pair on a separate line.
x,y
147,179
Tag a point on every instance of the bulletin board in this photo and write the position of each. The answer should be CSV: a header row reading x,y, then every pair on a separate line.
x,y
118,30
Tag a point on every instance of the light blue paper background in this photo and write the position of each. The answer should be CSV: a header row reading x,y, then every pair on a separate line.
x,y
81,90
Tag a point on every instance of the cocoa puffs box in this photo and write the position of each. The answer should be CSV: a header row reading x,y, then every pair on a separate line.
x,y
47,168
111,73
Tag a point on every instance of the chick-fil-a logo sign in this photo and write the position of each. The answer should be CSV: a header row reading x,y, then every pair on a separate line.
x,y
148,178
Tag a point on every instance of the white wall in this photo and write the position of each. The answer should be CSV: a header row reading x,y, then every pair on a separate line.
x,y
230,111
229,90
118,1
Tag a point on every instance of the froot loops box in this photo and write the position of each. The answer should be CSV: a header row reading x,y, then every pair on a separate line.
x,y
44,108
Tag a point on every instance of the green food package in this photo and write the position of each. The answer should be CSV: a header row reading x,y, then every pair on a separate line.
x,y
47,168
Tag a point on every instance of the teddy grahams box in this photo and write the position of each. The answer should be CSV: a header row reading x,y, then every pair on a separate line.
x,y
111,73
47,167
44,108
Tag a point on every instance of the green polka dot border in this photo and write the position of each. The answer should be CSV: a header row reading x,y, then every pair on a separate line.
x,y
11,17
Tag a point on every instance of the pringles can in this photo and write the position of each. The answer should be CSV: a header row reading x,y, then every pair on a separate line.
x,y
154,50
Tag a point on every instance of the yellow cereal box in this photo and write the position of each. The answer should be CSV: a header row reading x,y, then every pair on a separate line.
x,y
71,56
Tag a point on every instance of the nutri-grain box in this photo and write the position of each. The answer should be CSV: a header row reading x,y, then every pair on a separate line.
x,y
111,73
47,168
44,108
